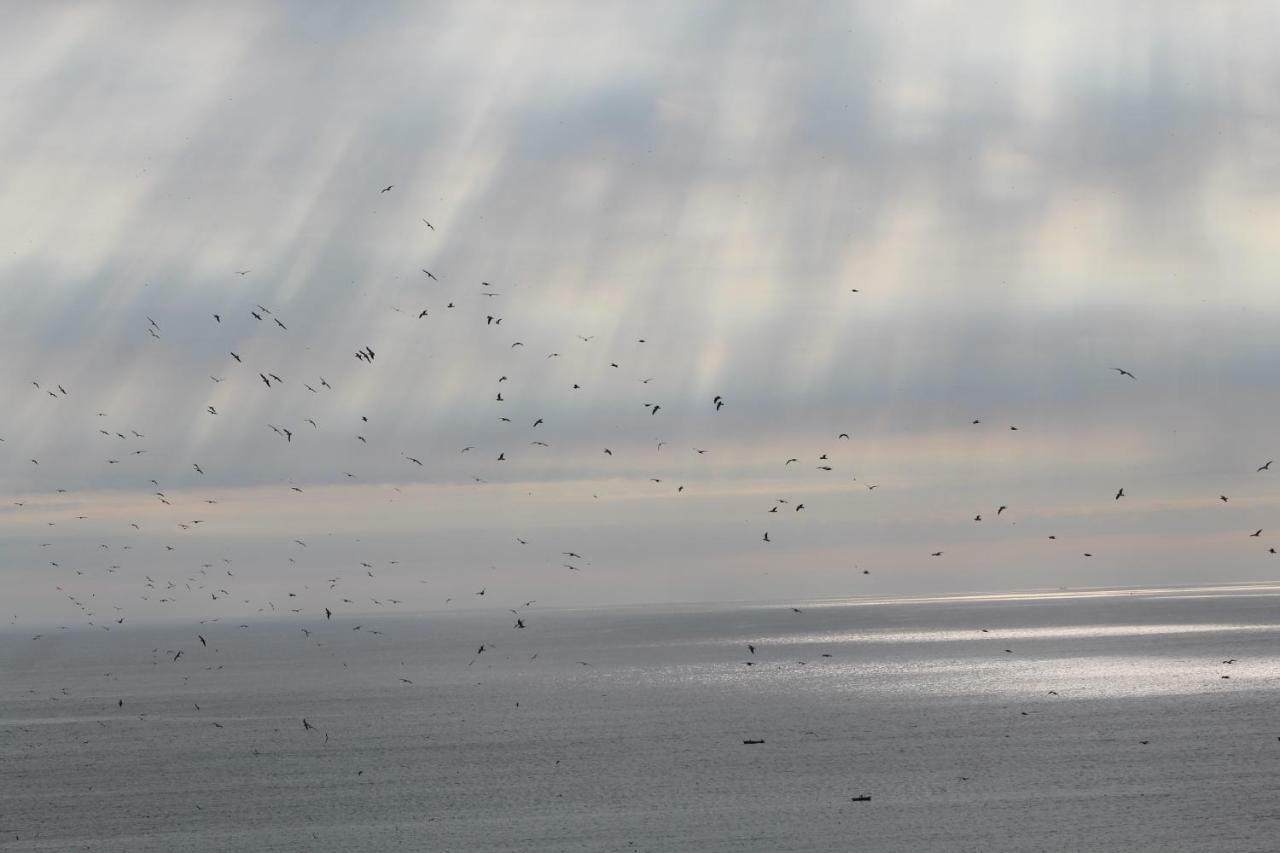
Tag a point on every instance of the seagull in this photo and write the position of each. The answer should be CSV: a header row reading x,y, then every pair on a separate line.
x,y
1267,467
1258,533
1119,494
430,276
429,225
1124,372
386,189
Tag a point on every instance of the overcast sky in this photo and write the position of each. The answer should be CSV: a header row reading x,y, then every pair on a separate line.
x,y
884,220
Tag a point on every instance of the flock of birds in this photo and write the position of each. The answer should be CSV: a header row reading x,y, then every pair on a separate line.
x,y
217,581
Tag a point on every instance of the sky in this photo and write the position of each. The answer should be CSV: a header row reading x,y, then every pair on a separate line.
x,y
886,221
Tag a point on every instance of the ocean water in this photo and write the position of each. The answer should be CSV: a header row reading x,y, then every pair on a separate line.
x,y
623,729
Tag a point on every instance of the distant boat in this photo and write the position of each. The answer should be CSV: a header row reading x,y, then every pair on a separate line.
x,y
865,798
753,741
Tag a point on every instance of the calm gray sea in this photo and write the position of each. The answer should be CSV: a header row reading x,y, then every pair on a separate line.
x,y
1084,722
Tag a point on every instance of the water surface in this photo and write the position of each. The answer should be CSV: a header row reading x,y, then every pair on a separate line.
x,y
1077,722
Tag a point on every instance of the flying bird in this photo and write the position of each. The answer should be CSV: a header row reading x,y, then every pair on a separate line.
x,y
1124,372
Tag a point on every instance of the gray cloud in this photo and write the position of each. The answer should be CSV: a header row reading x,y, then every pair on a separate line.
x,y
1023,199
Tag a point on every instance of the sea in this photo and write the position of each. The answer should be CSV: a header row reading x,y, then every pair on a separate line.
x,y
1095,720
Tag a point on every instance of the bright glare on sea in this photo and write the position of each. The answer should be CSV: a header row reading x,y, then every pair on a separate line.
x,y
1072,722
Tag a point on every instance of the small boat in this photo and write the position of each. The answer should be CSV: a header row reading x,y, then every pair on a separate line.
x,y
865,798
753,741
